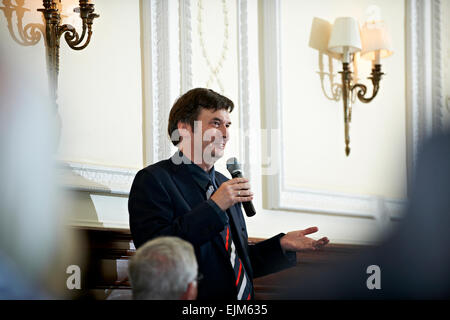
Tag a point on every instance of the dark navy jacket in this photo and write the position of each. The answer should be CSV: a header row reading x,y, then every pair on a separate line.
x,y
166,201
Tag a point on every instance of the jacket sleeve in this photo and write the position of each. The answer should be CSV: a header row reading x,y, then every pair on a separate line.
x,y
152,214
268,257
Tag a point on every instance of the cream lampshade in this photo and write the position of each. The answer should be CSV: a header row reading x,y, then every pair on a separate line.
x,y
376,42
345,37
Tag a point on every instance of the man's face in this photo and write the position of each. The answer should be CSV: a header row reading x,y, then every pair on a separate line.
x,y
210,135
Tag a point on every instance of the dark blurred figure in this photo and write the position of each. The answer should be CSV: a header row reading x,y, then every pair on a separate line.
x,y
414,262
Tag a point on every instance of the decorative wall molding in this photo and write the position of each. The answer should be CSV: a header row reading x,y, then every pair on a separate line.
x,y
445,8
108,224
243,83
438,66
340,204
94,178
303,200
156,120
147,81
214,68
272,94
414,96
424,90
243,64
161,83
185,45
156,77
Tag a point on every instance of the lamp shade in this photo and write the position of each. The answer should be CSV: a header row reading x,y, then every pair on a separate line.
x,y
375,38
345,34
320,34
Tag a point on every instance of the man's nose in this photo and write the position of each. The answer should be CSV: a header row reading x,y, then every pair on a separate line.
x,y
225,133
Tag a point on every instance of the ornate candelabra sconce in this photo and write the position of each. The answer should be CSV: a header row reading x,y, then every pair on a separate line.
x,y
27,35
318,40
374,43
52,30
335,88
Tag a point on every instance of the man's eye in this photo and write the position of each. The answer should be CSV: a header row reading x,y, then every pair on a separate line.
x,y
216,123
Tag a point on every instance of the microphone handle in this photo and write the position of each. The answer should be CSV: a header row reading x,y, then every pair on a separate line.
x,y
249,208
248,205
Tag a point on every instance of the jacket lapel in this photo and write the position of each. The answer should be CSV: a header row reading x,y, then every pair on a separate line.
x,y
193,196
186,184
238,239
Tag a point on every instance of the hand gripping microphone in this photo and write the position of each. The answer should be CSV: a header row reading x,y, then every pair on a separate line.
x,y
234,167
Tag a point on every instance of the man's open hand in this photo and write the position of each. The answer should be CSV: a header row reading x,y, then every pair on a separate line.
x,y
296,240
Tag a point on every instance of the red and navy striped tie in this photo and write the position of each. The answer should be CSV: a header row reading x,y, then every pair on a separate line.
x,y
243,283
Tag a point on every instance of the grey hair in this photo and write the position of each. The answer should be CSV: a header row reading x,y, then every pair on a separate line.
x,y
162,269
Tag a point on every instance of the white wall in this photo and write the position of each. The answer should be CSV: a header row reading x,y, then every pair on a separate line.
x,y
105,107
100,99
313,125
100,93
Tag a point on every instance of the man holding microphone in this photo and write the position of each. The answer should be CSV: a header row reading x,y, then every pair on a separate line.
x,y
185,197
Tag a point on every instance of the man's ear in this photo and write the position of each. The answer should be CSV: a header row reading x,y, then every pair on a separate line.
x,y
191,292
181,126
183,130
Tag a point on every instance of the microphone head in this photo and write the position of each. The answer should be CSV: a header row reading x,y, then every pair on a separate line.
x,y
233,165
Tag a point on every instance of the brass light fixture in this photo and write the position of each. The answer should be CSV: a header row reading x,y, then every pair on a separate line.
x,y
54,30
346,39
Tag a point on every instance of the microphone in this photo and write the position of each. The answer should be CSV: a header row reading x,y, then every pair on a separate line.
x,y
234,167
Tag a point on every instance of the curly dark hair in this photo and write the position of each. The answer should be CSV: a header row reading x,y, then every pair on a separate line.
x,y
187,108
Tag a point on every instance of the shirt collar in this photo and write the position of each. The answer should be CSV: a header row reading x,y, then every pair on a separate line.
x,y
201,177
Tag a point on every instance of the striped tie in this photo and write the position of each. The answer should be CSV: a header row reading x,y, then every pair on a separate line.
x,y
243,284
210,191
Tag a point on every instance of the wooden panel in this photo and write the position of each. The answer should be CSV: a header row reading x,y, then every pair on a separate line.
x,y
109,251
271,286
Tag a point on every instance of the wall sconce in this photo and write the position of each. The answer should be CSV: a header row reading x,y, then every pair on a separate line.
x,y
373,42
54,30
